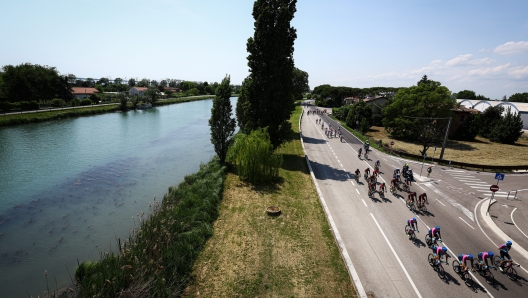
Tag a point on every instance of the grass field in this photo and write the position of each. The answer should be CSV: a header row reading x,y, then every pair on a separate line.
x,y
252,254
481,151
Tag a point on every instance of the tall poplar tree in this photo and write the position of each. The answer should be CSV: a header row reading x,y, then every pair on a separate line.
x,y
267,95
222,125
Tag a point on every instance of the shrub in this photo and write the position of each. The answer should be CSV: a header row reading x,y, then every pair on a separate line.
x,y
75,102
86,102
254,157
58,102
5,106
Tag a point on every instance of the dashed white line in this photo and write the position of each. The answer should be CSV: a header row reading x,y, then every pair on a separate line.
x,y
440,202
397,258
466,222
357,191
364,203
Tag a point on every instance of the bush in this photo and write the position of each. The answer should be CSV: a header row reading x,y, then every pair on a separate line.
x,y
94,98
58,102
5,106
254,157
86,102
75,102
27,106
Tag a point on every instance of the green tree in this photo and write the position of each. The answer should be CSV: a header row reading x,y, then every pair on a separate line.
x,y
508,129
414,112
152,94
466,94
33,82
519,97
269,100
131,82
254,157
489,119
470,129
357,112
300,83
222,125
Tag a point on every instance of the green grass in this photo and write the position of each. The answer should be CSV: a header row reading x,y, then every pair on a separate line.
x,y
252,254
157,259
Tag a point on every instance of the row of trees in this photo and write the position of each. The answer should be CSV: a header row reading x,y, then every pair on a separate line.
x,y
422,113
470,94
327,95
266,99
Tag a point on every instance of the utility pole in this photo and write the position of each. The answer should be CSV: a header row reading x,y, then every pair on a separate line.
x,y
445,138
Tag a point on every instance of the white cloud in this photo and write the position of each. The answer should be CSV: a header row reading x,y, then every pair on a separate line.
x,y
460,60
490,71
520,73
512,48
482,50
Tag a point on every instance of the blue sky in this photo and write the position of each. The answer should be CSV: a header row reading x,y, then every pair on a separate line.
x,y
465,44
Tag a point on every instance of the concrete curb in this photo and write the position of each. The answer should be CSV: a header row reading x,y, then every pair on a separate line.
x,y
344,253
487,219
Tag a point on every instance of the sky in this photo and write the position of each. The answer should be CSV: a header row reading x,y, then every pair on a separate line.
x,y
479,45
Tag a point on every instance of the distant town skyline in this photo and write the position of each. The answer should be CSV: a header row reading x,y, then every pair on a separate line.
x,y
474,45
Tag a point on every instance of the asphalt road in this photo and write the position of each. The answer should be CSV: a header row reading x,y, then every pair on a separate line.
x,y
371,231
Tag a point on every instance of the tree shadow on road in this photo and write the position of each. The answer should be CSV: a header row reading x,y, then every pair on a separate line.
x,y
327,172
310,140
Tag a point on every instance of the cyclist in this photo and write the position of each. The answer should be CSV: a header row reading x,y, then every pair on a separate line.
x,y
357,172
504,252
377,164
372,187
406,185
393,183
411,197
372,179
359,151
375,172
483,258
463,259
367,172
438,252
413,224
367,145
382,187
422,199
408,180
435,233
397,176
396,171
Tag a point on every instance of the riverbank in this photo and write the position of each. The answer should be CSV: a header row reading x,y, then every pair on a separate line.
x,y
156,260
253,254
45,115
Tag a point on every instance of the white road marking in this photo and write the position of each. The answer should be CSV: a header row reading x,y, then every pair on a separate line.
x,y
364,203
483,186
476,183
451,201
440,202
466,222
516,225
348,176
398,258
357,191
453,171
489,195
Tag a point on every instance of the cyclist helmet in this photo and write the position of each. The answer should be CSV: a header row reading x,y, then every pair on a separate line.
x,y
509,243
414,219
490,254
438,228
444,249
470,256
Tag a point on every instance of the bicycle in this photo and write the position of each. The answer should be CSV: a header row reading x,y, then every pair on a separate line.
x,y
431,241
393,189
382,194
357,178
464,274
406,188
411,233
484,271
437,265
507,267
421,207
411,206
365,176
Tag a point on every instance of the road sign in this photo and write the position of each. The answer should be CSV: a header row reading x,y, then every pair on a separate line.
x,y
392,143
499,176
494,188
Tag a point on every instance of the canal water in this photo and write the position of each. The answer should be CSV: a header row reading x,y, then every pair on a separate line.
x,y
70,188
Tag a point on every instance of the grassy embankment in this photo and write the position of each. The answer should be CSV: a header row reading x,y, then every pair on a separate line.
x,y
158,257
481,151
15,119
252,254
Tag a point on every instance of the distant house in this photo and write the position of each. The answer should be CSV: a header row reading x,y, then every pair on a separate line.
x,y
83,92
137,91
460,116
375,100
